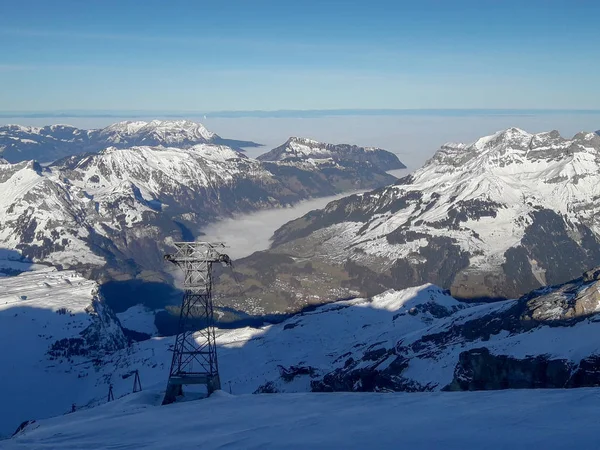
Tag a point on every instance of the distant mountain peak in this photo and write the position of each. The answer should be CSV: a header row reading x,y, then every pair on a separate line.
x,y
127,126
303,140
513,145
157,132
298,148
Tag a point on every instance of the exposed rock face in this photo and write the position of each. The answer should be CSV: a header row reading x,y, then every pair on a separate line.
x,y
478,369
45,144
571,301
538,341
494,219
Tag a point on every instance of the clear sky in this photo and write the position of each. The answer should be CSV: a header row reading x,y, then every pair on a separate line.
x,y
264,55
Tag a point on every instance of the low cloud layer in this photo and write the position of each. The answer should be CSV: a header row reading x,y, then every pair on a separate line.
x,y
249,233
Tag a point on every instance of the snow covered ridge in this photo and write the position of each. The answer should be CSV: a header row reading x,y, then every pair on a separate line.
x,y
422,339
45,144
493,219
297,148
172,132
118,210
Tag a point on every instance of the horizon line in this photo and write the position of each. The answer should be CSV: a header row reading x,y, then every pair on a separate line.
x,y
282,113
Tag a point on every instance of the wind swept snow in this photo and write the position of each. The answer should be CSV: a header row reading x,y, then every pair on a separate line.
x,y
550,420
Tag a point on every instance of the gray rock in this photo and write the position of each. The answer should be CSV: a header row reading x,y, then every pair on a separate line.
x,y
592,275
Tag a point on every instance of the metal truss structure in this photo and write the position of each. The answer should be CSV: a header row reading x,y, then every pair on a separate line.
x,y
195,353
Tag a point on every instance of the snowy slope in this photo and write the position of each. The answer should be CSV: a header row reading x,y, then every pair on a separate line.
x,y
490,420
13,263
422,339
496,218
418,339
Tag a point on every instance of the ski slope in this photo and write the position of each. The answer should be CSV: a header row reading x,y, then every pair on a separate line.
x,y
548,419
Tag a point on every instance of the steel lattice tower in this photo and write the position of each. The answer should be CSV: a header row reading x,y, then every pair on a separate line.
x,y
195,353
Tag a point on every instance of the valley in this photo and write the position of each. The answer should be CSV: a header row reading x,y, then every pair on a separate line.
x,y
463,275
299,225
490,220
112,214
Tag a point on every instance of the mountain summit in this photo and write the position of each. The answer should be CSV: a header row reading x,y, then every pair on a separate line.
x,y
296,148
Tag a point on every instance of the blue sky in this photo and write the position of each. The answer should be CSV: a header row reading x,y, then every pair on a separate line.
x,y
268,55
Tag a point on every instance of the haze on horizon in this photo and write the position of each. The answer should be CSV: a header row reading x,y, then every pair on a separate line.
x,y
272,55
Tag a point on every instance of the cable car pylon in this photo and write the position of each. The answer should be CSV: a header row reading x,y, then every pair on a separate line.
x,y
195,353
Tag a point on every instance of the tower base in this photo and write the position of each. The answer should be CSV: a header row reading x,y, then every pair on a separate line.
x,y
175,385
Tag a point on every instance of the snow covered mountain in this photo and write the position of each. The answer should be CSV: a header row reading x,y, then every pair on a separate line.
x,y
493,219
115,212
49,143
422,339
301,148
180,133
417,339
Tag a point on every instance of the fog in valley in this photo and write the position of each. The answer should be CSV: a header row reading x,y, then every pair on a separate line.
x,y
248,233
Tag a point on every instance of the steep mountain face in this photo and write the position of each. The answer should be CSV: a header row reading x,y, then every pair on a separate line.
x,y
301,148
493,219
54,330
49,143
115,213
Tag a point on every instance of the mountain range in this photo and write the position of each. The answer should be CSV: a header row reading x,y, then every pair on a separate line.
x,y
489,220
45,144
112,214
464,275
